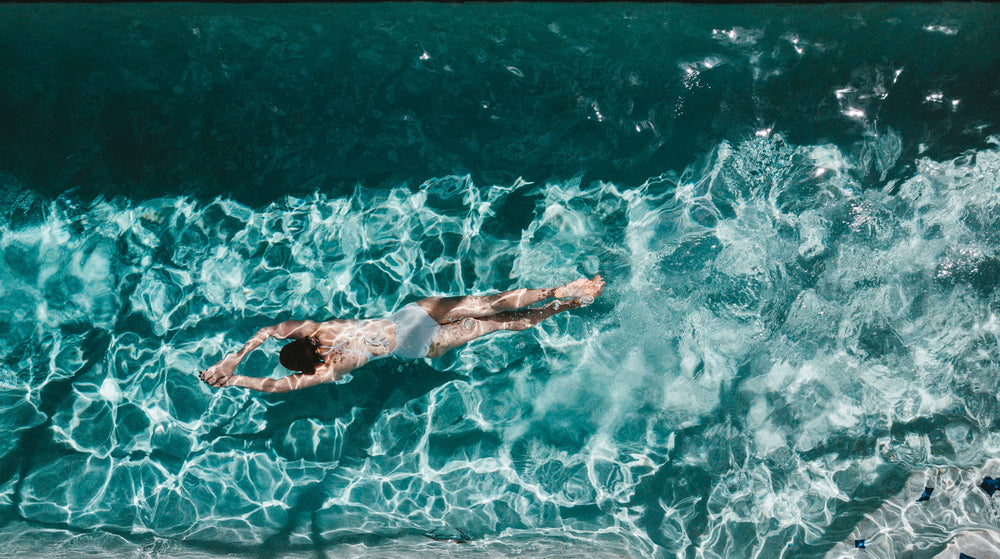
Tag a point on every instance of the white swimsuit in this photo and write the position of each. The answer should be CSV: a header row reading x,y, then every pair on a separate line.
x,y
415,332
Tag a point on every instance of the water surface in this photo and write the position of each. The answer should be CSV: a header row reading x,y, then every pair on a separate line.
x,y
796,210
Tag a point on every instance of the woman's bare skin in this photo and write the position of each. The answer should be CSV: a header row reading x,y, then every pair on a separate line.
x,y
461,320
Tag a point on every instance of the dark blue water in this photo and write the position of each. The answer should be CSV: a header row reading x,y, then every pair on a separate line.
x,y
796,210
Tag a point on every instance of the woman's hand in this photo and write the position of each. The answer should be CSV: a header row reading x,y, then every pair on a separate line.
x,y
221,373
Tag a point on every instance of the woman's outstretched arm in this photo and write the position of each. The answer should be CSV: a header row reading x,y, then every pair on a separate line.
x,y
284,384
294,329
218,375
222,377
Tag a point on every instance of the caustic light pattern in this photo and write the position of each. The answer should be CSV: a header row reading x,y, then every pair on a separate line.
x,y
773,341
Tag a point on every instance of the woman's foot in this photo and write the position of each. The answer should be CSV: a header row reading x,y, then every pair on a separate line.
x,y
583,289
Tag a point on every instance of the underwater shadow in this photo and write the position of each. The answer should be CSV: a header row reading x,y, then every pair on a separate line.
x,y
373,389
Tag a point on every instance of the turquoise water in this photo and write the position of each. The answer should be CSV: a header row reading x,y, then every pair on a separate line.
x,y
796,210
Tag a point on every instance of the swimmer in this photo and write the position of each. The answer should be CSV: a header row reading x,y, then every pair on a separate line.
x,y
326,351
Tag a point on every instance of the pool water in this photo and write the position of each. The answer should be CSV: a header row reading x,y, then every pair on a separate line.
x,y
796,209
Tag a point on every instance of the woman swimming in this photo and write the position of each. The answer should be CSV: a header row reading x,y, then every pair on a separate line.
x,y
327,351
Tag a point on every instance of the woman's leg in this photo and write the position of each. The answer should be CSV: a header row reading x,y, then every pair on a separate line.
x,y
461,332
449,309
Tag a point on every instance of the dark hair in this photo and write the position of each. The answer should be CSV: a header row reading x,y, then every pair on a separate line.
x,y
300,355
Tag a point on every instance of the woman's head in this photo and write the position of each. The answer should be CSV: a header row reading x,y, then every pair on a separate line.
x,y
300,355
